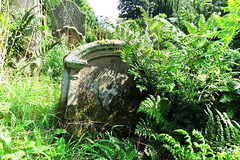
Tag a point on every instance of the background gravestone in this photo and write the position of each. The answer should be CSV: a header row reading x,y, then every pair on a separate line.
x,y
25,4
68,19
96,86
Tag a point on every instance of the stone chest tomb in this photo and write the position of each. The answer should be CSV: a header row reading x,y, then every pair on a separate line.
x,y
96,86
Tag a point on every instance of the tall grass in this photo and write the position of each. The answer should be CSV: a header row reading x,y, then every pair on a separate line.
x,y
28,108
30,98
27,113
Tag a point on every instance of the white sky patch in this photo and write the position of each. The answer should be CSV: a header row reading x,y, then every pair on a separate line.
x,y
105,8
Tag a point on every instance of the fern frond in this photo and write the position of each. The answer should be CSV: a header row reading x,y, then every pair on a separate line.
x,y
144,129
187,139
152,107
237,125
222,129
171,145
202,25
204,149
199,136
192,29
225,120
127,55
200,150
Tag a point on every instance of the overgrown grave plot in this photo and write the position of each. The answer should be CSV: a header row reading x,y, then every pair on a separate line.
x,y
97,89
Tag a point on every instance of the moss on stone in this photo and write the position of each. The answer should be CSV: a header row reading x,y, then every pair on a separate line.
x,y
86,115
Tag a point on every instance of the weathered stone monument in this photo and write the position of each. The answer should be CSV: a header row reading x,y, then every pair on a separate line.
x,y
25,4
96,86
69,20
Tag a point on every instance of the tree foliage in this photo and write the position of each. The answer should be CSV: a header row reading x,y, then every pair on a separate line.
x,y
190,10
130,9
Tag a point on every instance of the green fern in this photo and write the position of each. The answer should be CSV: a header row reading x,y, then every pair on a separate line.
x,y
127,55
145,129
155,109
200,143
187,139
171,145
221,130
202,25
197,149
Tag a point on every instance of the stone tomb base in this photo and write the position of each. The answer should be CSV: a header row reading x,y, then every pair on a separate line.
x,y
97,89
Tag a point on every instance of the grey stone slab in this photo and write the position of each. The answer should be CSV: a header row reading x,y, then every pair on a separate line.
x,y
68,19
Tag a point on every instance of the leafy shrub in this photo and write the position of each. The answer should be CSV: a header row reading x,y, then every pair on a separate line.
x,y
183,73
24,32
190,11
99,31
191,71
195,147
52,61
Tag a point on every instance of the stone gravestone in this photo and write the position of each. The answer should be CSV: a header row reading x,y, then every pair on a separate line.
x,y
96,86
68,19
25,4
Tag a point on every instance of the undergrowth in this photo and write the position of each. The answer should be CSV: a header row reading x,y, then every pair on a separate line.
x,y
191,77
28,109
29,126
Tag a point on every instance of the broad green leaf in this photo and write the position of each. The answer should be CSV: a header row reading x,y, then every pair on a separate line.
x,y
61,146
108,151
15,155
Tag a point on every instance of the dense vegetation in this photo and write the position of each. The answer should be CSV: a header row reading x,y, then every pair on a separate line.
x,y
131,9
187,63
